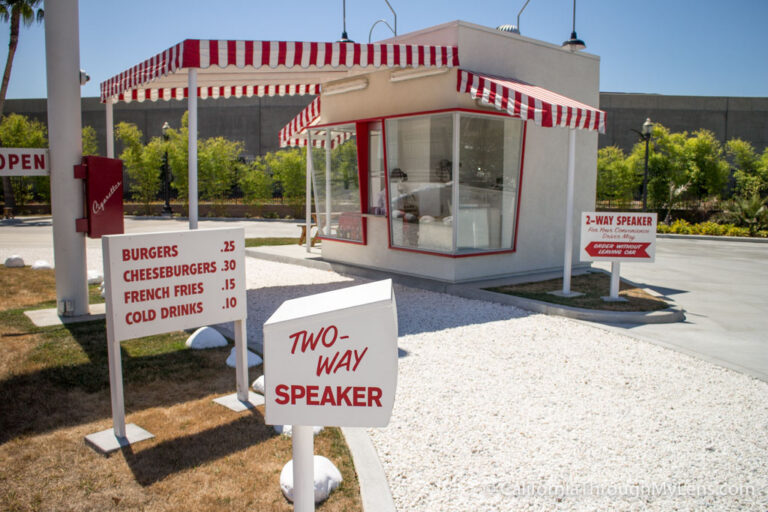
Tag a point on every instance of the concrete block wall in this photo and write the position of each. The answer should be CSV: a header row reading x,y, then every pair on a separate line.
x,y
254,121
726,117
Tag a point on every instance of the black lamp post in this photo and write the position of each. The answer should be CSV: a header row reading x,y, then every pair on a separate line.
x,y
646,135
166,174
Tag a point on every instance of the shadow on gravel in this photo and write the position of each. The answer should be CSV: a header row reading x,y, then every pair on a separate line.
x,y
417,310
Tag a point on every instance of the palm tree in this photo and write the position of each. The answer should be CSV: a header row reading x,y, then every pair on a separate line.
x,y
17,12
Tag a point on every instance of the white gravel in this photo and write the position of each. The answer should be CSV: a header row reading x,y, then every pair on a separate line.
x,y
501,409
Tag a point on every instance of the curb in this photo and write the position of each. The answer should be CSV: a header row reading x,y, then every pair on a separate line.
x,y
473,291
664,316
374,489
675,236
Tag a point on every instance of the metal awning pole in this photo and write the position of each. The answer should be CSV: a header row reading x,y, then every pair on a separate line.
x,y
110,129
308,208
327,229
569,212
192,157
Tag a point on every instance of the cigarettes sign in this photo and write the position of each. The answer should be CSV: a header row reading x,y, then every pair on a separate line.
x,y
24,162
618,236
331,358
162,282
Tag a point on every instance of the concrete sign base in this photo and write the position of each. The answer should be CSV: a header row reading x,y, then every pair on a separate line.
x,y
107,442
237,405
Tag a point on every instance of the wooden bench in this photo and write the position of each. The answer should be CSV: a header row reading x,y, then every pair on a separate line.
x,y
303,227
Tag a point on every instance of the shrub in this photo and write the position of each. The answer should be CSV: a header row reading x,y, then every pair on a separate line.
x,y
680,227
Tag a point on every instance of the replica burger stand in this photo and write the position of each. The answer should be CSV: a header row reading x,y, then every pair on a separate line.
x,y
449,153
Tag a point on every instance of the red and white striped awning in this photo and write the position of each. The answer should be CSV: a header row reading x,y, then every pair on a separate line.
x,y
530,102
227,65
516,98
306,117
230,91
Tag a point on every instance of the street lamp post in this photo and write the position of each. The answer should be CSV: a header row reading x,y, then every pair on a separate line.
x,y
646,134
166,174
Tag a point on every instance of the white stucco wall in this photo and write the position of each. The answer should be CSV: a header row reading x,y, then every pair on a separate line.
x,y
540,237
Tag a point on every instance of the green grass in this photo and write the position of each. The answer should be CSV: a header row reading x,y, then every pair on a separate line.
x,y
258,242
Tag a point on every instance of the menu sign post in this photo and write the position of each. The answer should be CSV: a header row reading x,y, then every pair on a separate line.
x,y
617,237
162,282
330,359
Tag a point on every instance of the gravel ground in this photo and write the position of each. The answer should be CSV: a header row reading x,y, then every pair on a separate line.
x,y
501,409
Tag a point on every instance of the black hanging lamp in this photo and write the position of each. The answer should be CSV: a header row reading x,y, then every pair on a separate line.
x,y
574,43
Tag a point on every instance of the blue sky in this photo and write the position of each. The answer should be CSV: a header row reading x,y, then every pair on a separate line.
x,y
683,47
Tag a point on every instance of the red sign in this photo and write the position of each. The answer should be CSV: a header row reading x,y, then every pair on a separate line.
x,y
617,249
103,195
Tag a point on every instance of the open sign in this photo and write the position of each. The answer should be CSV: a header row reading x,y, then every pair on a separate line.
x,y
24,162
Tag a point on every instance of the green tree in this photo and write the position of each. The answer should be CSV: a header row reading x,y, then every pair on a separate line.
x,y
750,169
289,168
18,12
617,179
344,164
142,163
178,158
668,178
17,131
90,145
707,168
255,181
217,166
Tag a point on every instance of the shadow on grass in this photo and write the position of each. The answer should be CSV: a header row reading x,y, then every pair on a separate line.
x,y
73,386
173,456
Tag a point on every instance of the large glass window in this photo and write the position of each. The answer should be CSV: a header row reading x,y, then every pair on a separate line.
x,y
425,184
489,152
336,183
419,154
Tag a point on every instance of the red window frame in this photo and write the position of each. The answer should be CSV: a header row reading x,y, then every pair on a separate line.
x,y
362,129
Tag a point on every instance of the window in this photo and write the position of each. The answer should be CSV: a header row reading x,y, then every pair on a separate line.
x,y
419,153
425,184
336,183
377,195
489,152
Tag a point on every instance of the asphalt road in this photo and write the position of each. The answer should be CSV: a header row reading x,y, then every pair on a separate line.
x,y
36,232
723,287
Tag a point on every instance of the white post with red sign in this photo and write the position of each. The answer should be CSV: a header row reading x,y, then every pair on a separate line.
x,y
617,237
330,359
163,282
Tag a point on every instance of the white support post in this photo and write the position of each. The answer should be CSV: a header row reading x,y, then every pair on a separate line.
x,y
328,182
615,273
117,396
455,197
303,469
308,209
568,254
110,129
192,158
241,370
62,61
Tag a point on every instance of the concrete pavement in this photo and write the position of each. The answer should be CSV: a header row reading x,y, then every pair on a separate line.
x,y
723,287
